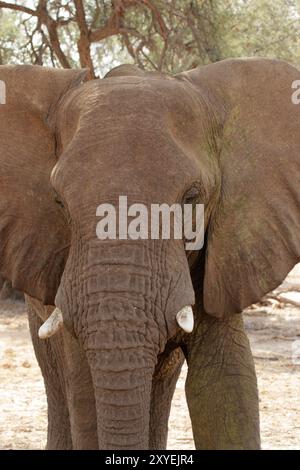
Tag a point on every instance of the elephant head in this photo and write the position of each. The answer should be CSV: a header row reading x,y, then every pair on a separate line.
x,y
225,135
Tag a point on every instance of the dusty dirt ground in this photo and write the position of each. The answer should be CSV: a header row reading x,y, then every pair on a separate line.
x,y
274,333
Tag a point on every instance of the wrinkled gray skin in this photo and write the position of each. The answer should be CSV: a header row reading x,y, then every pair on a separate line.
x,y
204,136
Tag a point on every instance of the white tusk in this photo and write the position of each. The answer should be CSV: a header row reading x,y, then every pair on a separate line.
x,y
52,325
185,319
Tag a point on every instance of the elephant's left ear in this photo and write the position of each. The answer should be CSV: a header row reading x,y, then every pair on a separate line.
x,y
34,236
254,237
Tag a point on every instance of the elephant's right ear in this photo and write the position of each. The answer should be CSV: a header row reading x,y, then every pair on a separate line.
x,y
34,236
253,238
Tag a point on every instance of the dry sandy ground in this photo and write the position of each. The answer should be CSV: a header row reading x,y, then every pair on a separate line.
x,y
275,338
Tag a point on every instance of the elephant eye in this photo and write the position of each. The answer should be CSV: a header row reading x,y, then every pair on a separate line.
x,y
192,195
59,202
63,207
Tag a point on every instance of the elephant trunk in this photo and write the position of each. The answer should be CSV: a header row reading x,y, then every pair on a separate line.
x,y
122,403
123,321
122,361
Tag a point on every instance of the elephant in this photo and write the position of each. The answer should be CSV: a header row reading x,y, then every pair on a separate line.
x,y
111,319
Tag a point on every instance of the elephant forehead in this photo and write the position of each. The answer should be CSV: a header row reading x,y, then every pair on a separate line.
x,y
135,118
132,101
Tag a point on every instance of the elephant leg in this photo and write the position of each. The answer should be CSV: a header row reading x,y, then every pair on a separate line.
x,y
221,386
49,354
163,386
80,396
70,393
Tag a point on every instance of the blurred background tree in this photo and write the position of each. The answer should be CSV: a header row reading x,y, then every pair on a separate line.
x,y
167,35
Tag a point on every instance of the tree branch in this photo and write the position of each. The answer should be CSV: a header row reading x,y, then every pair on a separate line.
x,y
52,25
13,6
44,18
164,32
112,25
84,43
